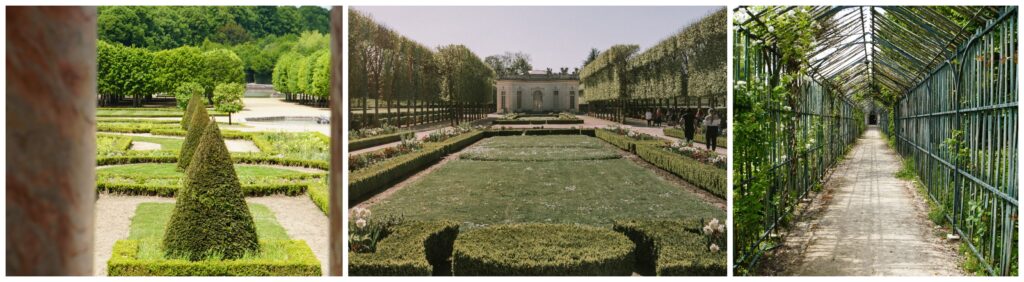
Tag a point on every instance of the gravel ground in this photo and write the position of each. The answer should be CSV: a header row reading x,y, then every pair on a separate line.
x,y
145,146
241,146
298,215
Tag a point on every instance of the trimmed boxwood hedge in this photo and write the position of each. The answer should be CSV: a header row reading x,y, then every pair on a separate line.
x,y
364,143
549,121
537,131
672,248
365,183
624,142
291,189
320,196
236,158
413,248
702,175
699,138
301,262
538,249
226,134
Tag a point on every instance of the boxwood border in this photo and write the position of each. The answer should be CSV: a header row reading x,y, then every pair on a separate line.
x,y
301,262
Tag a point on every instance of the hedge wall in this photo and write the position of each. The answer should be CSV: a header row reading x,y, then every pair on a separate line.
x,y
699,138
301,262
705,176
672,248
542,250
364,143
237,158
414,248
369,181
550,121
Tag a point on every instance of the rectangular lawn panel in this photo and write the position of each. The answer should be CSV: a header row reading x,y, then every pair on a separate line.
x,y
593,192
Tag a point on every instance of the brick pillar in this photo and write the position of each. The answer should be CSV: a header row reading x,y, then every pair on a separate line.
x,y
51,140
337,202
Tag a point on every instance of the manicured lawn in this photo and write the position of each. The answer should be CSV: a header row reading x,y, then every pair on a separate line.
x,y
170,144
150,222
155,170
539,148
593,192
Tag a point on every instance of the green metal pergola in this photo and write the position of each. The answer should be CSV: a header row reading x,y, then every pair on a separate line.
x,y
952,75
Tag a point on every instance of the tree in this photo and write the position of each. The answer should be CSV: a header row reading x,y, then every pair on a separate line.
x,y
591,56
124,71
210,214
227,97
185,91
322,75
179,65
509,63
196,126
224,66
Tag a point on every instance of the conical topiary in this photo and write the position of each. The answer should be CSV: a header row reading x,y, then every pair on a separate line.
x,y
193,103
210,216
195,132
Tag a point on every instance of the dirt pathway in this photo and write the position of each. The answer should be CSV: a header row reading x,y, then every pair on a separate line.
x,y
869,223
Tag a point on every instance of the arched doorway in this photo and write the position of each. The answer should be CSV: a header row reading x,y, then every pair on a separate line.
x,y
538,100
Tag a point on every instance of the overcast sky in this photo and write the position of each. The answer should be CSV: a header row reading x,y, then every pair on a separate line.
x,y
553,36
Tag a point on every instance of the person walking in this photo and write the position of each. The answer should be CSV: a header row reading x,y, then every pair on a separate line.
x,y
657,117
711,124
649,117
687,122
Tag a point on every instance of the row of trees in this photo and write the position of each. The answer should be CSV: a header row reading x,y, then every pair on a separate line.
x,y
259,35
303,73
688,63
140,73
389,68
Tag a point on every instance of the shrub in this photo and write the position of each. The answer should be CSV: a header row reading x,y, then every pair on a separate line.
x,y
707,177
320,196
184,93
196,130
413,248
301,262
210,215
120,160
226,134
289,189
672,248
542,250
368,142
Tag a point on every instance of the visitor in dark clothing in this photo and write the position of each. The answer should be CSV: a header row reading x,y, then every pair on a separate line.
x,y
711,124
688,126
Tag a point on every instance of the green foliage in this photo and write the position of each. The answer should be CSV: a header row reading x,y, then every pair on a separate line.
x,y
607,76
413,248
320,196
184,94
698,51
210,216
124,71
109,144
707,177
143,112
539,149
464,77
363,143
697,137
223,66
509,63
672,248
227,97
907,171
300,261
178,66
542,250
196,131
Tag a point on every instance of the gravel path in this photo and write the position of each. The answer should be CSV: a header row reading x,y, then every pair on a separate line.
x,y
241,146
145,146
868,222
298,215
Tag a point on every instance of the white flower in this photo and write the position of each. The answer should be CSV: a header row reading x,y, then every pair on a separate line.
x,y
714,248
721,229
713,223
708,230
787,108
361,223
366,213
357,212
771,28
808,146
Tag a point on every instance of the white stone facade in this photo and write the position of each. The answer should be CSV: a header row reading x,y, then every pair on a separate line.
x,y
537,95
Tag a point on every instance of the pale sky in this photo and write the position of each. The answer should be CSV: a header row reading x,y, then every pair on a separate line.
x,y
553,36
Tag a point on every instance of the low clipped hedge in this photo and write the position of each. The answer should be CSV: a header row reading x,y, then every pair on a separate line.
x,y
240,159
699,138
672,248
290,189
548,121
301,262
414,248
538,131
368,142
542,250
320,196
227,134
624,142
707,177
369,181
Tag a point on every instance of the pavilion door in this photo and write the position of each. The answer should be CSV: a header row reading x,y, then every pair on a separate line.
x,y
538,101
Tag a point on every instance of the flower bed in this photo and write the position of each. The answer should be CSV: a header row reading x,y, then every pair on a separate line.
x,y
360,161
542,250
626,139
699,138
676,247
707,177
704,156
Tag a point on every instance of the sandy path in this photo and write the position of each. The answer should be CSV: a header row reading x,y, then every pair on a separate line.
x,y
298,215
145,146
870,223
